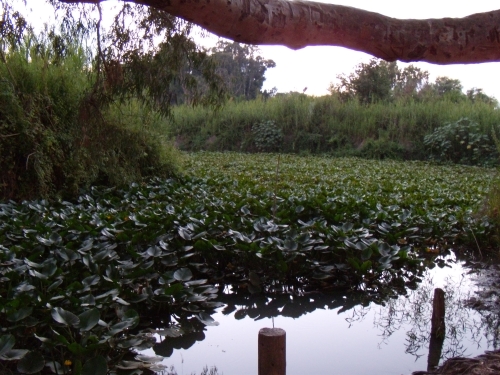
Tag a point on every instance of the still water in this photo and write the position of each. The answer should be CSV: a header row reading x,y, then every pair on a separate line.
x,y
334,335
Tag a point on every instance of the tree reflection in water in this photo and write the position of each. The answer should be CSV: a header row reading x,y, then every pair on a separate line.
x,y
415,310
411,310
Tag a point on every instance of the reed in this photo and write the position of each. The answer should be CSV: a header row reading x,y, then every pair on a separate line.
x,y
324,124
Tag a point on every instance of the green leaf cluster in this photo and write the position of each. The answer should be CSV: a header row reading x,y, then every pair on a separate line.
x,y
267,136
461,142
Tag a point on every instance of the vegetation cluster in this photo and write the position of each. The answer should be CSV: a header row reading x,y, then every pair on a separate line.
x,y
55,140
72,116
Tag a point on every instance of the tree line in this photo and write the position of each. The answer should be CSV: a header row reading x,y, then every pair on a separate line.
x,y
382,81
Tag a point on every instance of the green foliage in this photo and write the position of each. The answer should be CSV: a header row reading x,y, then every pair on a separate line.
x,y
461,142
449,88
81,280
369,83
475,95
156,61
491,209
175,72
382,149
58,132
495,139
267,136
241,68
379,80
326,124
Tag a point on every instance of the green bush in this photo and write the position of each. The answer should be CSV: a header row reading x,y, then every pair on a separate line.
x,y
267,136
382,149
461,142
57,136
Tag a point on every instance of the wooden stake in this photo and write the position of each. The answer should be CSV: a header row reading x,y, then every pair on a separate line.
x,y
272,351
438,328
435,350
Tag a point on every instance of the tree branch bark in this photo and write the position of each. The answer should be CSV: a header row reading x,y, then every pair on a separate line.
x,y
296,24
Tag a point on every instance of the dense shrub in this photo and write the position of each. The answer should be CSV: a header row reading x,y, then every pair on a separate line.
x,y
461,142
382,149
56,136
267,136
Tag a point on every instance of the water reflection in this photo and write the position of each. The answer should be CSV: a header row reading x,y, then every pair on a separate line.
x,y
166,347
408,317
413,313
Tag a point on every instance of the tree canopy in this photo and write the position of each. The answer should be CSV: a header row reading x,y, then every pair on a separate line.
x,y
241,67
296,24
379,80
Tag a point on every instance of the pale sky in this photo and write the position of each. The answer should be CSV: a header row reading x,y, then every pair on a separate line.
x,y
316,67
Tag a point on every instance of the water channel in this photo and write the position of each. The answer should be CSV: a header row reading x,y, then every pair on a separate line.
x,y
339,334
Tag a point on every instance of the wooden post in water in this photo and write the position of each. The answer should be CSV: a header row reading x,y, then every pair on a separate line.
x,y
435,350
438,328
272,351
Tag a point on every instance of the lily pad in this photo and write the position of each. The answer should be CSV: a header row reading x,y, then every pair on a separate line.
x,y
31,363
95,366
65,317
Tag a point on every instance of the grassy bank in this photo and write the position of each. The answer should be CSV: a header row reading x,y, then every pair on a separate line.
x,y
303,124
60,133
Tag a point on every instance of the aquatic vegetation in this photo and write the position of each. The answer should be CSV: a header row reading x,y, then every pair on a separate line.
x,y
83,284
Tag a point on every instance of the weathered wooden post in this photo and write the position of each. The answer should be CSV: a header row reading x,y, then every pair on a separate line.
x,y
438,330
272,351
435,350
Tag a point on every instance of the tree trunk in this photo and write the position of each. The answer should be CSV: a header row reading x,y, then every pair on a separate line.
x,y
297,24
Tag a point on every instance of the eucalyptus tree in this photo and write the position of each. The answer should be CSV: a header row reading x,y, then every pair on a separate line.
x,y
241,67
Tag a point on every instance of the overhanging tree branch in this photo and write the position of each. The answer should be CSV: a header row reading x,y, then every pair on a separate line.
x,y
296,24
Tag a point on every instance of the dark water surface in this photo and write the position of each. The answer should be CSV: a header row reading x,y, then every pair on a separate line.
x,y
322,337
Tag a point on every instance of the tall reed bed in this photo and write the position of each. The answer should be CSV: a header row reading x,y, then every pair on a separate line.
x,y
323,124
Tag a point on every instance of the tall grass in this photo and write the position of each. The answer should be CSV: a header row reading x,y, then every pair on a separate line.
x,y
56,137
324,124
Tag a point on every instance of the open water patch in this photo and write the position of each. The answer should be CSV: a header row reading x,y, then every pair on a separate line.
x,y
341,333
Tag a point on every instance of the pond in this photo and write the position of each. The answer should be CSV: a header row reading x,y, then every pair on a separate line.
x,y
97,279
341,333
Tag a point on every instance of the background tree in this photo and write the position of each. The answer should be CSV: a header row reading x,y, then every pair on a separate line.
x,y
449,88
159,59
241,68
410,81
379,80
370,82
477,95
382,81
